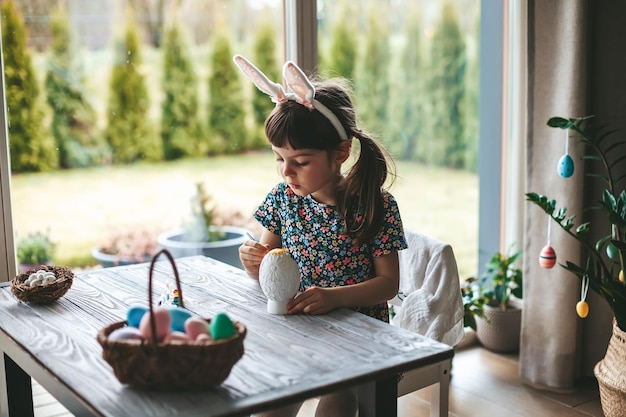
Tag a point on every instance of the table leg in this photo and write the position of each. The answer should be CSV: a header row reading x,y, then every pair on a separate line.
x,y
379,398
16,395
439,392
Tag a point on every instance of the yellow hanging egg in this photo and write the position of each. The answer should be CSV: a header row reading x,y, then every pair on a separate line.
x,y
582,308
621,276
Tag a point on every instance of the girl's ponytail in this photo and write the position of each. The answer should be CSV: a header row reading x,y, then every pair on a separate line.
x,y
362,189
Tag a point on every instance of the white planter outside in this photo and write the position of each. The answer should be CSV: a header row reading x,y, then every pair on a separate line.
x,y
108,261
225,250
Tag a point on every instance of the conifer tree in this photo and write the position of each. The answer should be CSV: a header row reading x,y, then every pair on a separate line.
x,y
264,58
344,47
128,132
373,83
73,118
31,148
447,86
408,107
471,116
179,111
226,107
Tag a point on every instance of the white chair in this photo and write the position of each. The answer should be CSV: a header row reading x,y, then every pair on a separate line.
x,y
429,301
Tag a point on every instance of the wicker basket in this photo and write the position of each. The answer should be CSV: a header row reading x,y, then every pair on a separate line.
x,y
43,294
174,365
611,375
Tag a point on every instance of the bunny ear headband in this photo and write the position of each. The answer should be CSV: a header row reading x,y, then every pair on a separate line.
x,y
303,90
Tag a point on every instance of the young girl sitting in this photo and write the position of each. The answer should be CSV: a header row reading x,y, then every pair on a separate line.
x,y
343,229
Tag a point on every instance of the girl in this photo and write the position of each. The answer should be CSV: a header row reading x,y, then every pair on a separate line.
x,y
343,230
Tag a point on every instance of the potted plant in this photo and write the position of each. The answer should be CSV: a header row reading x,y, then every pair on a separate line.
x,y
126,247
473,303
33,250
603,268
500,287
201,236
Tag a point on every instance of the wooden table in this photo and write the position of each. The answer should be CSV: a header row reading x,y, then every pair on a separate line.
x,y
286,359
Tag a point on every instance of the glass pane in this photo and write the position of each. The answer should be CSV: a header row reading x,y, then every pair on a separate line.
x,y
116,113
414,69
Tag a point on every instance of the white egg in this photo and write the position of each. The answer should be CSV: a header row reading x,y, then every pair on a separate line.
x,y
279,277
36,281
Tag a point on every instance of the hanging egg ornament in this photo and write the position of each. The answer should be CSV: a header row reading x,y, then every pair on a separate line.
x,y
547,257
612,251
566,166
621,276
582,308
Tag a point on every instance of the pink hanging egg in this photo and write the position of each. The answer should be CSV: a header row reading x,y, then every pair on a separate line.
x,y
547,257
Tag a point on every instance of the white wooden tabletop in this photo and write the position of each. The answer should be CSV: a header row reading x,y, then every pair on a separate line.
x,y
287,358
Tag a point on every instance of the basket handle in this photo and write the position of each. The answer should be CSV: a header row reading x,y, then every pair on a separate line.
x,y
180,291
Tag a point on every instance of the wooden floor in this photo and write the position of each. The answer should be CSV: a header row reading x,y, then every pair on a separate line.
x,y
483,384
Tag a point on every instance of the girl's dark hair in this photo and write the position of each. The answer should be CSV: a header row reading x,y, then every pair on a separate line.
x,y
359,193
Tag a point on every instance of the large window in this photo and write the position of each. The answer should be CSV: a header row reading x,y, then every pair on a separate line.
x,y
414,69
136,105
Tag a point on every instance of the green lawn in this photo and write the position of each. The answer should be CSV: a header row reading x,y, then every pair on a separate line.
x,y
82,208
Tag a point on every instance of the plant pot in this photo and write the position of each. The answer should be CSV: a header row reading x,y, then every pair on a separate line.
x,y
225,250
611,374
500,332
108,260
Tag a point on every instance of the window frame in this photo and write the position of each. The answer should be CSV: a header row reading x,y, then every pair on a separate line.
x,y
496,195
491,195
8,266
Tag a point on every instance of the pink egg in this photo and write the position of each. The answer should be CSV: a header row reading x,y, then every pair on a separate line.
x,y
162,321
203,337
126,333
547,257
195,326
176,336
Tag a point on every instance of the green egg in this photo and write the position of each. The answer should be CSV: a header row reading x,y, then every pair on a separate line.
x,y
221,327
612,251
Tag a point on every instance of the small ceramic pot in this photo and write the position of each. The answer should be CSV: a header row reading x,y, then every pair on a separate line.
x,y
279,277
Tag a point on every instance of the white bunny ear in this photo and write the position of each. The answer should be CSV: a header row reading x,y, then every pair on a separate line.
x,y
299,83
272,89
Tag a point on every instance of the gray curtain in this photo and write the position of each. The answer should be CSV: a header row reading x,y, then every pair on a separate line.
x,y
576,67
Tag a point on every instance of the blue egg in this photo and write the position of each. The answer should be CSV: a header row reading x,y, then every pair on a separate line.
x,y
134,314
179,317
612,251
566,166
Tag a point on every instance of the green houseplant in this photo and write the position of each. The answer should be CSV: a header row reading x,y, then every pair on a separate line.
x,y
602,269
605,273
200,228
500,288
501,280
34,249
473,303
202,236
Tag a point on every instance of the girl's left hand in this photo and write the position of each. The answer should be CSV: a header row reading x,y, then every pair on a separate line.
x,y
314,300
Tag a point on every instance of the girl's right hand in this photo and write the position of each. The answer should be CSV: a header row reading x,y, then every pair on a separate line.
x,y
251,254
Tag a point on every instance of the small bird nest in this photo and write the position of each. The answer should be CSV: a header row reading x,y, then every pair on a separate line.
x,y
42,293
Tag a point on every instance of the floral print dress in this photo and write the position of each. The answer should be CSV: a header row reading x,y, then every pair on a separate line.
x,y
313,234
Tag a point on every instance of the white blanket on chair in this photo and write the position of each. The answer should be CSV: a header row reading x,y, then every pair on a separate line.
x,y
429,278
